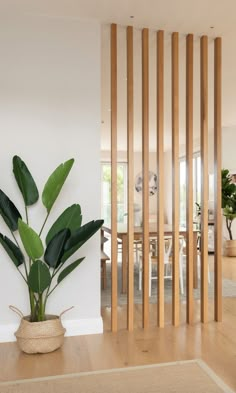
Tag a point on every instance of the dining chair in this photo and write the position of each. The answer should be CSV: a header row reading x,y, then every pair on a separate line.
x,y
167,264
199,267
184,256
152,252
119,248
199,259
103,258
137,249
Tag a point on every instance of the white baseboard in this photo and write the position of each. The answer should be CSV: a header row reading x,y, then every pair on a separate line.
x,y
7,332
77,327
74,327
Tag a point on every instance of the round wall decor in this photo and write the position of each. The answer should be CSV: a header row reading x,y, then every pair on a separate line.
x,y
152,182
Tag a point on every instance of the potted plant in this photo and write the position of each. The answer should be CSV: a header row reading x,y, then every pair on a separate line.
x,y
229,209
198,215
42,266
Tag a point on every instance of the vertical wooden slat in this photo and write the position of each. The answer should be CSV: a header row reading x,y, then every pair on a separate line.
x,y
145,172
160,171
130,137
124,263
114,177
217,177
175,173
189,174
204,178
175,178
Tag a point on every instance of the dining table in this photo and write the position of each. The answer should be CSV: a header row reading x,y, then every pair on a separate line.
x,y
122,234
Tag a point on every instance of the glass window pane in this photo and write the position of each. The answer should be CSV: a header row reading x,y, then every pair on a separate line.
x,y
121,192
198,180
182,177
196,186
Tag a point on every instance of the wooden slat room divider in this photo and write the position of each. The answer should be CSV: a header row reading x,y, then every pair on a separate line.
x,y
191,250
114,177
204,179
189,177
130,144
175,178
217,162
145,159
160,171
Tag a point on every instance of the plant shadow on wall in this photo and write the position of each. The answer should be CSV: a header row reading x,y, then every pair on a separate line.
x,y
41,267
229,208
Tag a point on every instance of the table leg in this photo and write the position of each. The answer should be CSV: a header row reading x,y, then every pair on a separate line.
x,y
124,262
102,236
195,275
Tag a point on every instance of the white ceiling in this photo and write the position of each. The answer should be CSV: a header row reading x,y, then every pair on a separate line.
x,y
184,16
228,86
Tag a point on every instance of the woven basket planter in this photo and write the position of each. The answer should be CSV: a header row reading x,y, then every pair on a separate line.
x,y
230,246
40,337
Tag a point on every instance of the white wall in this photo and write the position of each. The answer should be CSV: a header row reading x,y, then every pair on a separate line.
x,y
168,187
229,162
228,148
168,170
122,157
49,112
137,170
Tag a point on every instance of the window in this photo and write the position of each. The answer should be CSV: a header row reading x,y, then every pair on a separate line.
x,y
197,178
196,186
121,192
182,190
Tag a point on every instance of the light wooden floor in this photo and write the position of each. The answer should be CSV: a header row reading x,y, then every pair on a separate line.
x,y
215,343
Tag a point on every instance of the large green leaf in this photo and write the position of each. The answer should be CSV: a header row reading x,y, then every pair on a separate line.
x,y
69,269
228,188
12,250
31,241
55,248
71,218
54,184
39,277
25,181
9,212
79,237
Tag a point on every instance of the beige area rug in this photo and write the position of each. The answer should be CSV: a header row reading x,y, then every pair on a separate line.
x,y
192,376
228,289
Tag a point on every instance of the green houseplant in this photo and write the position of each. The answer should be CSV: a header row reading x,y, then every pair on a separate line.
x,y
43,266
229,208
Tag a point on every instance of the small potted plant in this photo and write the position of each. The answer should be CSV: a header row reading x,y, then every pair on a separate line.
x,y
229,209
198,215
42,266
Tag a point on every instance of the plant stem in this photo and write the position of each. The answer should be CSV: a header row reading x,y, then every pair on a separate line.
x,y
44,223
34,316
15,239
22,276
48,289
41,316
31,293
32,304
26,215
52,290
55,271
228,225
26,271
24,263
